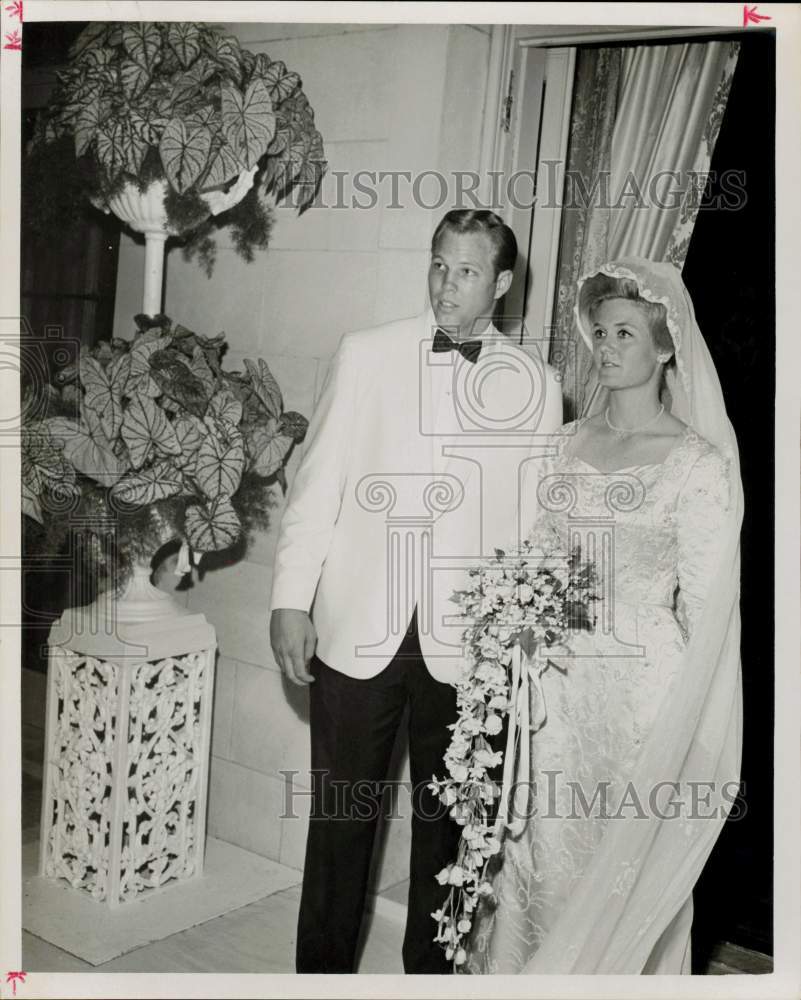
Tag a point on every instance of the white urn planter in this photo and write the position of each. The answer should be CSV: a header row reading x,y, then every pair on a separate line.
x,y
144,212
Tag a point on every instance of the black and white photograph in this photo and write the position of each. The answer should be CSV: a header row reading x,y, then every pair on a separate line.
x,y
400,460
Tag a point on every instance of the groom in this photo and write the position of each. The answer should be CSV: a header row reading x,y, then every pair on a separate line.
x,y
402,487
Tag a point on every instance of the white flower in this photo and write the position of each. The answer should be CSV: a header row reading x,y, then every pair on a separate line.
x,y
442,876
497,701
471,725
490,671
460,812
460,957
489,647
487,758
456,875
458,772
525,593
493,724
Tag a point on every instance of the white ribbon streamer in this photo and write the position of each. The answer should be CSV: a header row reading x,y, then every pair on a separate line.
x,y
527,674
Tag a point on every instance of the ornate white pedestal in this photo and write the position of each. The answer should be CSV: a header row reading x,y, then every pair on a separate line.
x,y
127,744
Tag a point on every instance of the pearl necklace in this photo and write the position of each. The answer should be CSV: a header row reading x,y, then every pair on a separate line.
x,y
624,431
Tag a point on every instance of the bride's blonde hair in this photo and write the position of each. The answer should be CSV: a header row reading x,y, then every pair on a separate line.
x,y
602,287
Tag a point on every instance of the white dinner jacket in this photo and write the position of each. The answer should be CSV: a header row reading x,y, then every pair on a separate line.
x,y
410,475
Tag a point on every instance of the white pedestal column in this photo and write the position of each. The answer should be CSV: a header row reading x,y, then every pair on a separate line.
x,y
128,737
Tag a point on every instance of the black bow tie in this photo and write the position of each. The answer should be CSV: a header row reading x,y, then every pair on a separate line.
x,y
469,349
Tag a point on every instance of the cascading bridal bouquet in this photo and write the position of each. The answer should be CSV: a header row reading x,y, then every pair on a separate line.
x,y
520,605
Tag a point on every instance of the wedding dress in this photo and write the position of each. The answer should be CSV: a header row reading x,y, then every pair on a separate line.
x,y
636,765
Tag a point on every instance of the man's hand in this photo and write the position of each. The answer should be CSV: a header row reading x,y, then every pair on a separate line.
x,y
293,639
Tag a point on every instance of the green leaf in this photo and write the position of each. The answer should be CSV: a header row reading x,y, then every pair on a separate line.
x,y
211,528
184,153
142,42
307,183
101,352
185,83
176,381
43,467
95,34
104,388
209,117
145,428
220,461
294,424
134,77
248,63
140,379
226,53
200,368
280,142
297,106
138,489
109,146
270,448
184,39
190,433
280,84
248,121
39,453
87,124
87,448
225,407
147,125
290,165
224,165
265,386
133,149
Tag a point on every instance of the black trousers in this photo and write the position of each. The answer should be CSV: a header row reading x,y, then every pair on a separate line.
x,y
354,724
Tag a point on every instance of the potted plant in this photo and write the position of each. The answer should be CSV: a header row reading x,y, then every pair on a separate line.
x,y
150,439
173,126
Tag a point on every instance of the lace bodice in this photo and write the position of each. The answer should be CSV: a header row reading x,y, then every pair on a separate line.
x,y
661,519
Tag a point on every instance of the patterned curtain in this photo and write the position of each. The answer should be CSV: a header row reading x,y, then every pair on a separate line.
x,y
680,239
641,115
585,211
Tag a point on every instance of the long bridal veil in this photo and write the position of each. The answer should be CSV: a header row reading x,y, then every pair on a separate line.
x,y
643,871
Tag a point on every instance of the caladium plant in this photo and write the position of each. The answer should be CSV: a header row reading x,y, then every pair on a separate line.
x,y
156,422
140,101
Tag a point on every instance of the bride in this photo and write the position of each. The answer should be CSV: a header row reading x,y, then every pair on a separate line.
x,y
636,765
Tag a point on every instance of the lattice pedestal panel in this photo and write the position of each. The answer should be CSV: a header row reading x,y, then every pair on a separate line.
x,y
127,752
